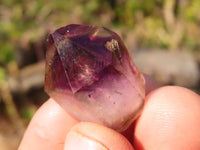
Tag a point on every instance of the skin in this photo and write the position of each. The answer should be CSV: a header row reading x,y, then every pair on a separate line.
x,y
170,120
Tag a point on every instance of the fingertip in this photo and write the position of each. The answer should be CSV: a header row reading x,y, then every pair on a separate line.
x,y
48,128
170,120
92,136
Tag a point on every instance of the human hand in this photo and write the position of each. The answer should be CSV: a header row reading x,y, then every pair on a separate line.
x,y
170,120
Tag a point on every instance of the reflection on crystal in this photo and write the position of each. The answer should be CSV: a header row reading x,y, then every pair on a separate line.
x,y
90,73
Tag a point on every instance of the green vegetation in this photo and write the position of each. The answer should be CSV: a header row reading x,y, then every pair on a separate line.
x,y
154,23
2,76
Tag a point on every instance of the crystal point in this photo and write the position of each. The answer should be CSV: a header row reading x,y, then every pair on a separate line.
x,y
90,73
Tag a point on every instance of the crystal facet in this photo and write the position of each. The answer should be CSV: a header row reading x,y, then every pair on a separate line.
x,y
90,73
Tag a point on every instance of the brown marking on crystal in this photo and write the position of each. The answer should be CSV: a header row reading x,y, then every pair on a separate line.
x,y
113,46
118,92
95,33
100,32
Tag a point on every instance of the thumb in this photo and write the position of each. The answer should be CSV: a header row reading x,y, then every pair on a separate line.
x,y
90,136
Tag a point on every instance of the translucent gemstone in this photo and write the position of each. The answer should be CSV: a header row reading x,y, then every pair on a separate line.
x,y
90,73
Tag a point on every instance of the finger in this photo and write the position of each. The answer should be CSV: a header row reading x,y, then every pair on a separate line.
x,y
90,136
48,128
50,117
170,120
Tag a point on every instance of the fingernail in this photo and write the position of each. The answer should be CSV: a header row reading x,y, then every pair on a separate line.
x,y
75,140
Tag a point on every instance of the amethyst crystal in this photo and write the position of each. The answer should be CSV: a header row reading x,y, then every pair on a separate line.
x,y
90,73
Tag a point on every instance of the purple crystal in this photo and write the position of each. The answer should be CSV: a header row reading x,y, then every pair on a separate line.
x,y
90,74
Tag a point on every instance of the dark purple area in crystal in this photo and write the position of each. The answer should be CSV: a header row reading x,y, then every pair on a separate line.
x,y
94,46
82,53
84,36
58,74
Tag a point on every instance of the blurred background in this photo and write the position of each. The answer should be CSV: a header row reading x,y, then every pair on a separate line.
x,y
161,35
